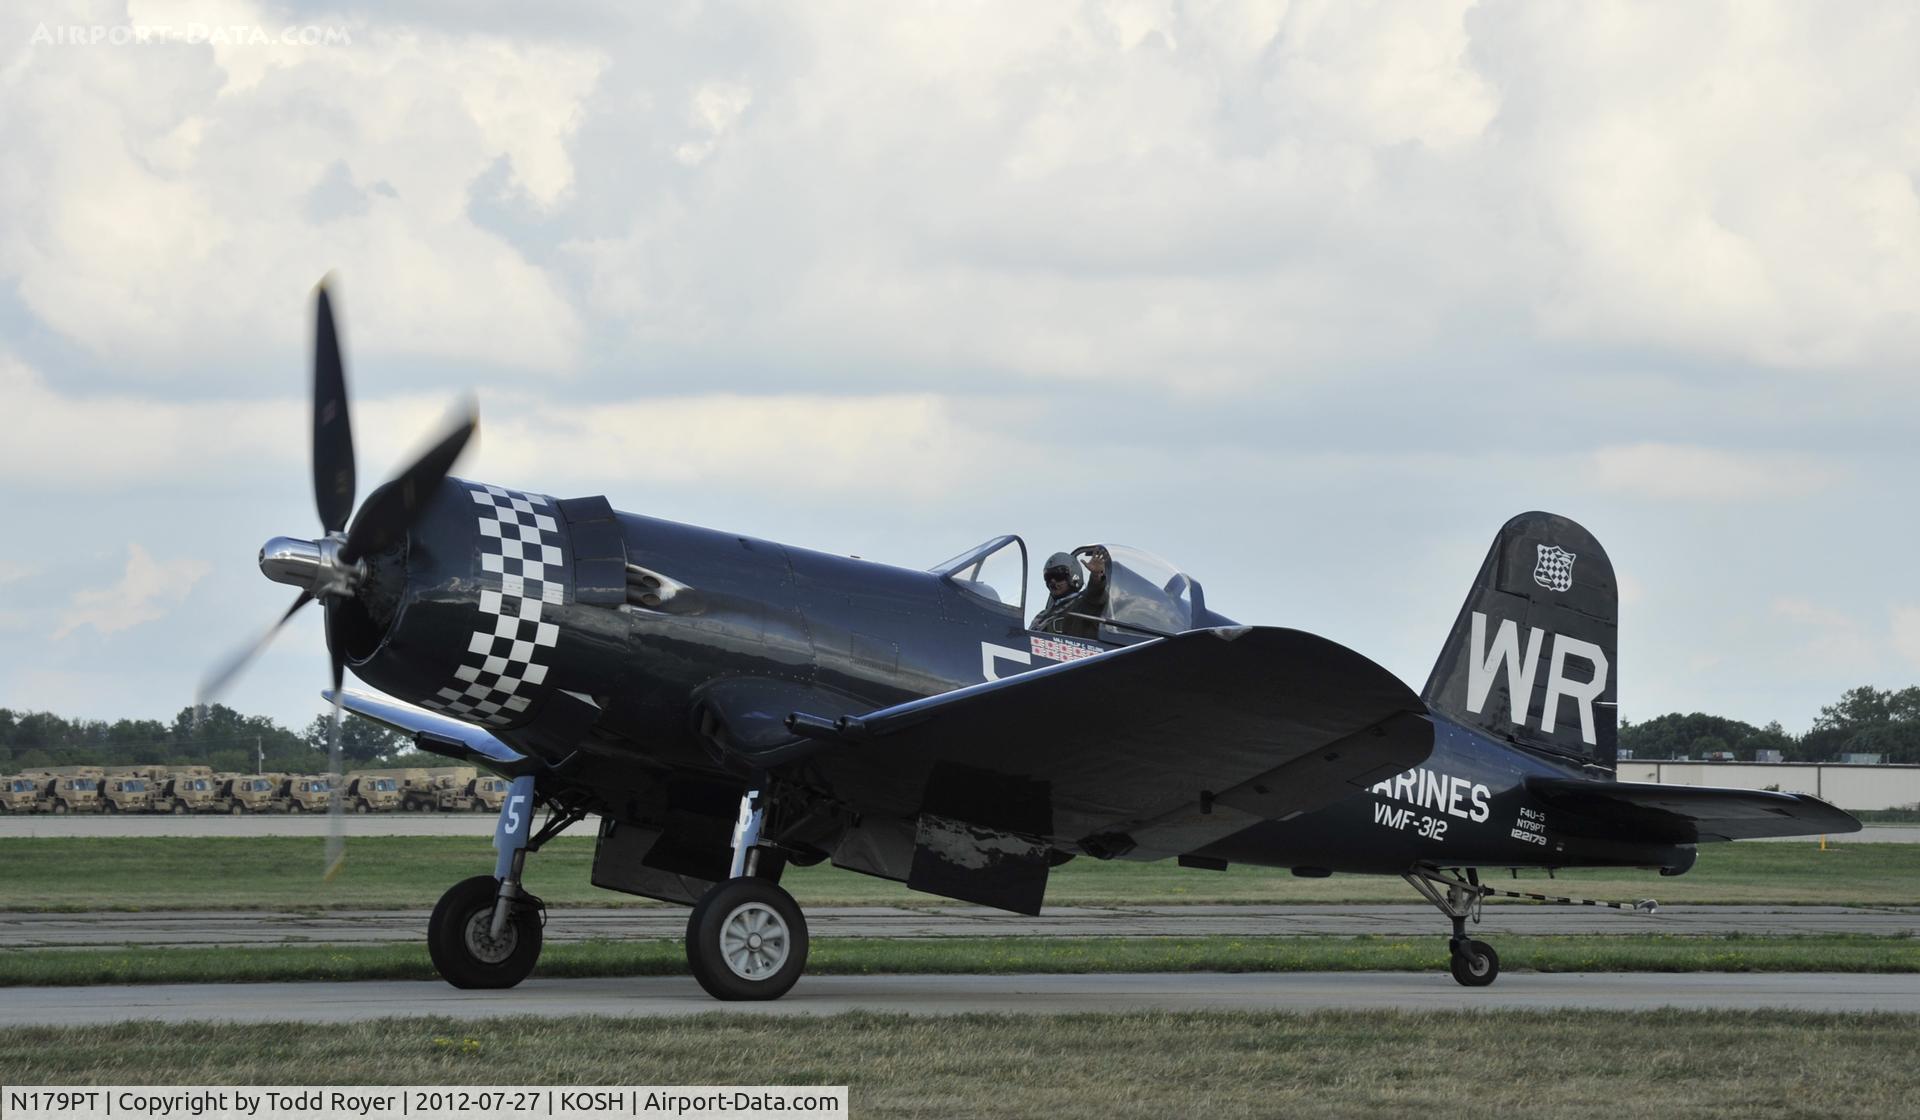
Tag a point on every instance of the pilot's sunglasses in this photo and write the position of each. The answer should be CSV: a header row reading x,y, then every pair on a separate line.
x,y
1056,576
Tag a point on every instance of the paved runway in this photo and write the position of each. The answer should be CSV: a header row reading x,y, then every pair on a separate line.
x,y
947,995
25,930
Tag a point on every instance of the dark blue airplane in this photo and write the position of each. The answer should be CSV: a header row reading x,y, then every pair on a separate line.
x,y
727,706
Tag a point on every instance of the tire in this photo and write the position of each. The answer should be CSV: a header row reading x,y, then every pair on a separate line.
x,y
458,943
295,807
1475,964
360,807
236,809
747,940
179,808
60,809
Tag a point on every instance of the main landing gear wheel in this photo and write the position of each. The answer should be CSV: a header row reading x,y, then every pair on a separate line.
x,y
1475,964
460,937
746,940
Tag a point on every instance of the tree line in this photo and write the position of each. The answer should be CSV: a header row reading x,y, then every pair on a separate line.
x,y
1865,720
214,735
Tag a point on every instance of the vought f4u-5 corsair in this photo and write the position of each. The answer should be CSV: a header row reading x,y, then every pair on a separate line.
x,y
728,706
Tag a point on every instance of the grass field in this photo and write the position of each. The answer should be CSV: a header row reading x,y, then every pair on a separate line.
x,y
214,873
1540,1065
993,955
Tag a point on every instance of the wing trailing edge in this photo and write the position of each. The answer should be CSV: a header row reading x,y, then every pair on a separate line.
x,y
1686,814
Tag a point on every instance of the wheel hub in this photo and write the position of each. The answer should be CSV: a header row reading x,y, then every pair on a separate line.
x,y
481,943
754,941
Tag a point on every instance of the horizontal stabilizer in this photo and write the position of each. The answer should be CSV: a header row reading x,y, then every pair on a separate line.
x,y
1685,814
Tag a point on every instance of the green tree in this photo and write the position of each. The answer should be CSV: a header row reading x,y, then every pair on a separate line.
x,y
361,740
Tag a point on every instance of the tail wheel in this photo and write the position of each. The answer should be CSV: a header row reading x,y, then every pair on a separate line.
x,y
747,940
460,937
1475,964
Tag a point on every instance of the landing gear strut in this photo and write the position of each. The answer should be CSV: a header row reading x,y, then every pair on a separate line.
x,y
1474,963
746,938
486,931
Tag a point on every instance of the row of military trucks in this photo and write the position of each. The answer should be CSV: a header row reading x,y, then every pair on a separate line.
x,y
198,789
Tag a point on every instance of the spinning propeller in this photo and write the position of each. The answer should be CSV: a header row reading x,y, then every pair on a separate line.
x,y
334,566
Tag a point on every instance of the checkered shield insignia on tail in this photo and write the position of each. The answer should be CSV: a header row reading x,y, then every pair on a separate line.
x,y
1554,570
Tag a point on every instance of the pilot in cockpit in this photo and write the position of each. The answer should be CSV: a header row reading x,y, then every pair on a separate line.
x,y
1066,596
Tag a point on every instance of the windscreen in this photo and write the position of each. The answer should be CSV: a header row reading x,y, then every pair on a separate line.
x,y
1148,592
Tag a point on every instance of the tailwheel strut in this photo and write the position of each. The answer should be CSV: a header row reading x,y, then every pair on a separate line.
x,y
1459,896
746,937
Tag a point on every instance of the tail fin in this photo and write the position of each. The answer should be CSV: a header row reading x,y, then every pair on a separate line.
x,y
1531,658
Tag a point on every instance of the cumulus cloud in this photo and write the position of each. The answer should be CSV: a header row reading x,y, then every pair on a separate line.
x,y
147,590
158,195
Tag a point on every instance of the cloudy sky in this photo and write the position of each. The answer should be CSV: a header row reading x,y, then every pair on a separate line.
x,y
1307,297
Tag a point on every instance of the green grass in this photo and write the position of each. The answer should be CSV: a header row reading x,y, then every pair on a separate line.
x,y
1223,1066
283,873
994,955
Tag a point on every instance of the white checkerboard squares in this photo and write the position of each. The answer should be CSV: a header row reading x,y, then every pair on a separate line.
x,y
521,545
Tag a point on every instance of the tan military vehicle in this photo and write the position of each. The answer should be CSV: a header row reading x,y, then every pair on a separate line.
x,y
125,793
19,794
447,789
306,793
244,793
69,789
368,792
489,793
183,789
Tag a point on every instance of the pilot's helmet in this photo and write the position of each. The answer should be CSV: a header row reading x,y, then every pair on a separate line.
x,y
1061,563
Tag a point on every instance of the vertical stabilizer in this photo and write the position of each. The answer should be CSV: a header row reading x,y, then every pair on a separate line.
x,y
1531,658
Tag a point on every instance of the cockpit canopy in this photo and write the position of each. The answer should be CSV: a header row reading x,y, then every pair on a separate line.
x,y
1146,596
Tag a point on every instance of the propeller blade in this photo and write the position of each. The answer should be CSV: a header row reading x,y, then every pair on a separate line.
x,y
333,481
390,511
217,681
336,805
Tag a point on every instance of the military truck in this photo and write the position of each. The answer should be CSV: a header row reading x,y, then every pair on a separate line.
x,y
182,789
69,789
446,789
19,794
306,793
489,793
365,792
244,793
125,793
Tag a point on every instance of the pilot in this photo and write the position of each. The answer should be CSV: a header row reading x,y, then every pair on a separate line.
x,y
1066,596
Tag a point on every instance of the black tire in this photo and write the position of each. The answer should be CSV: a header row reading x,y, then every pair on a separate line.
x,y
1475,964
458,943
747,940
59,808
179,808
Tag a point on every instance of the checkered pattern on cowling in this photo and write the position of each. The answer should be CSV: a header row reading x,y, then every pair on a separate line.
x,y
521,574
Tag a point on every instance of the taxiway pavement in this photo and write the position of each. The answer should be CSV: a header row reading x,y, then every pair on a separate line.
x,y
20,930
950,995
